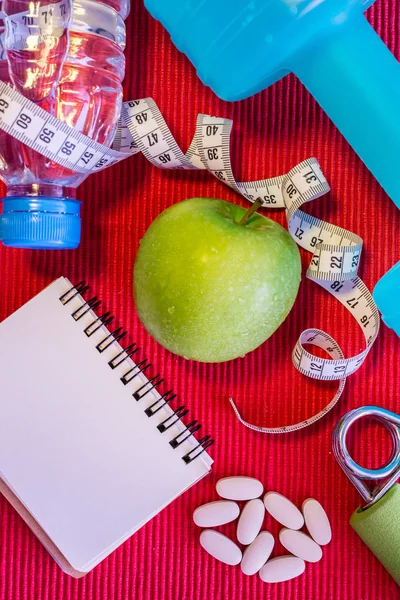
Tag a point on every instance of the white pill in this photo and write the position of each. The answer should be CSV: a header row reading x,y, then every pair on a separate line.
x,y
250,521
216,513
220,547
257,554
239,488
283,510
317,521
282,568
300,544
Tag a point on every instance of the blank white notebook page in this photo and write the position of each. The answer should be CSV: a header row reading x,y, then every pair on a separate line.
x,y
76,447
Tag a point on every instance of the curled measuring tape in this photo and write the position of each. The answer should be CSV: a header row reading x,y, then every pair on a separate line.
x,y
335,251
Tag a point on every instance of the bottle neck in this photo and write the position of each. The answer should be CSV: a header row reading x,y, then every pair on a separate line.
x,y
40,190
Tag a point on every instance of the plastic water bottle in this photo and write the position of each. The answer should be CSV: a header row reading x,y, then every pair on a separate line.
x,y
67,57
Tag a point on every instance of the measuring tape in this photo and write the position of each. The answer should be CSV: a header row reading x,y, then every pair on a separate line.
x,y
39,24
335,251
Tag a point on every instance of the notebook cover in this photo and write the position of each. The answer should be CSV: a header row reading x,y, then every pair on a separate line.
x,y
38,531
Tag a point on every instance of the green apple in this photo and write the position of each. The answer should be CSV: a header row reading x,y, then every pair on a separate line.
x,y
212,282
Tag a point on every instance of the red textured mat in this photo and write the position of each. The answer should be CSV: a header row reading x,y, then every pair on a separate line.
x,y
272,132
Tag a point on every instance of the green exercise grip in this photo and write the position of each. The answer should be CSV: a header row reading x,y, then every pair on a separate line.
x,y
379,528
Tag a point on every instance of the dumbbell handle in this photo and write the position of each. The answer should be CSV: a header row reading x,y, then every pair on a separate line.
x,y
379,528
356,80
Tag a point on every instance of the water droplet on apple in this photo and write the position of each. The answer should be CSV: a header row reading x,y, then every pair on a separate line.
x,y
171,310
275,298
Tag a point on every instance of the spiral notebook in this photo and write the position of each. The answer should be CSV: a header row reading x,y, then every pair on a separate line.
x,y
89,449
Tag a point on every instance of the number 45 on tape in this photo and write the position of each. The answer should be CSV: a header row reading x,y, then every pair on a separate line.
x,y
335,251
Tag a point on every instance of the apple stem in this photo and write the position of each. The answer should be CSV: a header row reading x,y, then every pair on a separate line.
x,y
256,205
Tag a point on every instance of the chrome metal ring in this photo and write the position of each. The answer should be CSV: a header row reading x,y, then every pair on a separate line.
x,y
355,472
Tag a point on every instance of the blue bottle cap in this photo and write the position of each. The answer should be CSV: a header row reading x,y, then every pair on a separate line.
x,y
387,296
44,223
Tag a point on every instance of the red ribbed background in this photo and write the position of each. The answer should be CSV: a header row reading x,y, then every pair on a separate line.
x,y
272,132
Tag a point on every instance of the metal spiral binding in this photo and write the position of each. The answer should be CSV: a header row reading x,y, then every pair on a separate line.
x,y
115,336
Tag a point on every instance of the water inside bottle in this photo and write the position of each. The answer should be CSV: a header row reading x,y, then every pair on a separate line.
x,y
67,57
